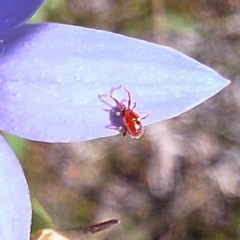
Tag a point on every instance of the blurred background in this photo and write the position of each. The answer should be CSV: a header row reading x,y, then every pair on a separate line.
x,y
181,179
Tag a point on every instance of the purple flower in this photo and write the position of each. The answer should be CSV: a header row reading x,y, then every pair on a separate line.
x,y
15,12
15,213
51,76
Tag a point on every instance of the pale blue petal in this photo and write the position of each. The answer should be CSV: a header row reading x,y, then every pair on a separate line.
x,y
15,211
51,76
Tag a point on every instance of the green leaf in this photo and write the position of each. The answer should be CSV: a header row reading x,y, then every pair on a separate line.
x,y
40,218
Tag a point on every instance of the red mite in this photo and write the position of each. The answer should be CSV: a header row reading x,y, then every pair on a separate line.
x,y
131,121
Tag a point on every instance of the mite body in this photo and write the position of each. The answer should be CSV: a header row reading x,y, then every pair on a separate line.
x,y
131,121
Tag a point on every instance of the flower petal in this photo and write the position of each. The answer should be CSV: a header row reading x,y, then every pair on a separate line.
x,y
52,75
15,12
15,213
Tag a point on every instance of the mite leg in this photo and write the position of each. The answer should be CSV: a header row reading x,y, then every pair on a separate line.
x,y
129,97
145,116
